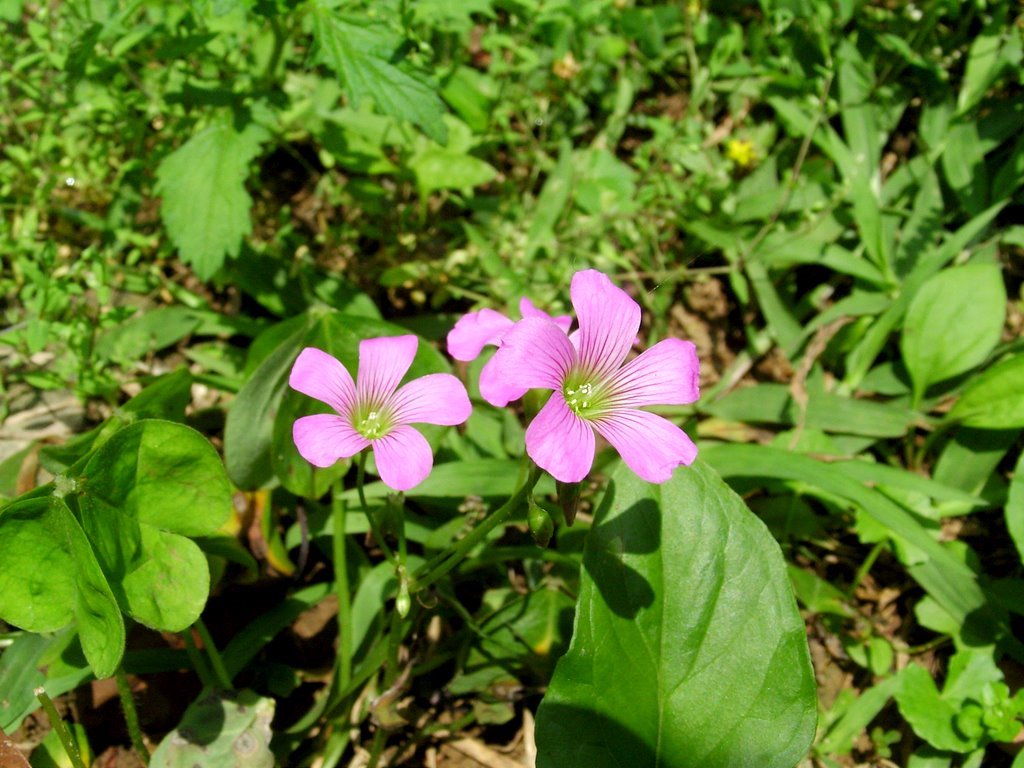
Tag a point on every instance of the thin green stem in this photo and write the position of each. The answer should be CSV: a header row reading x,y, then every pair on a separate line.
x,y
378,534
438,567
131,715
379,739
341,589
198,662
220,672
58,725
865,567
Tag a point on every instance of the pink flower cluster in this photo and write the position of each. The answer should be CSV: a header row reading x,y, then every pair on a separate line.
x,y
594,390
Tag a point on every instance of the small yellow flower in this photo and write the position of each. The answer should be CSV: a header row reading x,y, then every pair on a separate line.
x,y
741,152
566,67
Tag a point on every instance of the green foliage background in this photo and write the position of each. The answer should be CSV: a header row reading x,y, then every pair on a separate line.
x,y
826,197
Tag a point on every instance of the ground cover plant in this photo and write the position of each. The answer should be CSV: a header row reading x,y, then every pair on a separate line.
x,y
511,382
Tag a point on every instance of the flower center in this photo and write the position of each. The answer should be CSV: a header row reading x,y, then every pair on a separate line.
x,y
585,396
371,421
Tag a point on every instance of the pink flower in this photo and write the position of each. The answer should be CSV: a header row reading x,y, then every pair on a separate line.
x,y
485,327
374,411
593,390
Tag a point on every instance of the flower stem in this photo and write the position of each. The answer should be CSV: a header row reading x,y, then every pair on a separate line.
x,y
198,662
131,715
435,569
344,659
58,725
219,670
378,534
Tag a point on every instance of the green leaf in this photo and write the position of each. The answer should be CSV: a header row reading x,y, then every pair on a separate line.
x,y
953,323
228,730
362,54
688,649
950,581
205,205
19,677
51,577
1015,507
249,429
861,359
147,488
438,168
995,399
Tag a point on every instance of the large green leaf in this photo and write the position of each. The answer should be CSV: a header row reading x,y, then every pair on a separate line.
x,y
205,205
51,577
163,482
688,649
953,323
362,54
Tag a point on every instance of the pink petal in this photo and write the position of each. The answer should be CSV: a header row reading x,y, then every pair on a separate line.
x,y
534,353
665,374
528,309
650,445
325,438
560,442
437,398
382,364
494,389
321,376
474,331
608,319
403,458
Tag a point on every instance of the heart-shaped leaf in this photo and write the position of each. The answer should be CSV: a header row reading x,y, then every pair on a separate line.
x,y
51,578
145,490
688,649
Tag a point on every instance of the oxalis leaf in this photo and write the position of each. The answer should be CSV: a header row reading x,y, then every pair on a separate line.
x,y
164,482
361,54
688,649
205,206
50,578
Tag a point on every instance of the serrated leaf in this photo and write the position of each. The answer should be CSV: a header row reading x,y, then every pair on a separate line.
x,y
688,649
205,204
361,54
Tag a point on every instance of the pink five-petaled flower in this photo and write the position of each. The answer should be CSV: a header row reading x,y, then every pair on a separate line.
x,y
374,411
593,390
476,330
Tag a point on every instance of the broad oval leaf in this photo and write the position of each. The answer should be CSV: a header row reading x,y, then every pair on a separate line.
x,y
952,324
995,399
688,649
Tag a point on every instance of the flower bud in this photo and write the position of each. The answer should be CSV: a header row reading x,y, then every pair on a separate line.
x,y
541,525
568,499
